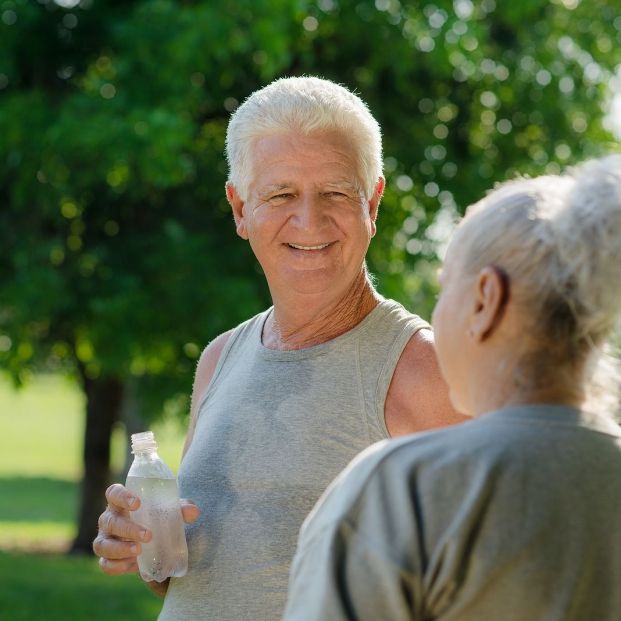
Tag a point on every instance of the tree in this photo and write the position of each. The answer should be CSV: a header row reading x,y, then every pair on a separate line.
x,y
118,260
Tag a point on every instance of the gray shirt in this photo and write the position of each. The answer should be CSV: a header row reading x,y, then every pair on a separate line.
x,y
515,516
273,430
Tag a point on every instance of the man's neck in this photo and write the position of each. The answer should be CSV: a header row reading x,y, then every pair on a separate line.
x,y
305,321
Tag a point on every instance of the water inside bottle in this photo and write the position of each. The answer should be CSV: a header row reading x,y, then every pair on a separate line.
x,y
167,553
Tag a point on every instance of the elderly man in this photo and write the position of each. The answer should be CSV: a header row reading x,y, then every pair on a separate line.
x,y
282,402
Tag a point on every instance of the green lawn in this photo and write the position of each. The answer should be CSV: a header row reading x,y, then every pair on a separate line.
x,y
57,588
40,470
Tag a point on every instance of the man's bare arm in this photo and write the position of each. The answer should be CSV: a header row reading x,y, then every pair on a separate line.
x,y
418,398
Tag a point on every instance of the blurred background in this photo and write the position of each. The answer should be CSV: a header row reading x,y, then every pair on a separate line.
x,y
118,257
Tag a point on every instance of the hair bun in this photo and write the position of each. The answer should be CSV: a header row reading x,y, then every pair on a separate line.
x,y
588,231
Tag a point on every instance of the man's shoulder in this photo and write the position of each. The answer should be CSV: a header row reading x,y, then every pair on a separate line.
x,y
219,342
418,398
212,353
398,312
387,330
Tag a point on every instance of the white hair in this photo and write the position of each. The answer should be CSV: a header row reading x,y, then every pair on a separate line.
x,y
558,237
305,105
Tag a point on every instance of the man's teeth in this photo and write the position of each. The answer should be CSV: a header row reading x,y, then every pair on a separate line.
x,y
309,247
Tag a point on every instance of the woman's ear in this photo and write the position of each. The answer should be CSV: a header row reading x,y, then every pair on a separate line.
x,y
237,205
491,296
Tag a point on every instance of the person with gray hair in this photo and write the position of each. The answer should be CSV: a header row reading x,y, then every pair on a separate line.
x,y
284,401
514,515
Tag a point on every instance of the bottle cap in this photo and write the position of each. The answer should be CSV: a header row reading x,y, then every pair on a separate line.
x,y
143,441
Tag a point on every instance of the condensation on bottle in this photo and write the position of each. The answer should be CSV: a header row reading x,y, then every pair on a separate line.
x,y
153,482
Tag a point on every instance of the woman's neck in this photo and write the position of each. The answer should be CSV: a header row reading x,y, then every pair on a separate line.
x,y
519,388
306,322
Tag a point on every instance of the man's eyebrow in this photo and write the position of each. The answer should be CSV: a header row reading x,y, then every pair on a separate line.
x,y
275,187
343,185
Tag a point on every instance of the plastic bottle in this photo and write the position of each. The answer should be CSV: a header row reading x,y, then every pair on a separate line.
x,y
152,481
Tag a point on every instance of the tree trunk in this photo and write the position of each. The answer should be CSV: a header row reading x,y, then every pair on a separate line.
x,y
104,397
132,420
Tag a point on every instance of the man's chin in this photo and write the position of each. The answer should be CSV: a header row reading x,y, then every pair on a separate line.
x,y
312,281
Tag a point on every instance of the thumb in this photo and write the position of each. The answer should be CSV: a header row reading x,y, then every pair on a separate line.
x,y
189,511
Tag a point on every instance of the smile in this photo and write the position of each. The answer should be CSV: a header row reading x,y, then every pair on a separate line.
x,y
319,247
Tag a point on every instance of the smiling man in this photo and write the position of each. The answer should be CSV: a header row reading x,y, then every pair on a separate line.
x,y
284,401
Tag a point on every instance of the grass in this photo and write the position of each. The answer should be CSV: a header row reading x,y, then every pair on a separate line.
x,y
40,470
42,426
37,512
58,588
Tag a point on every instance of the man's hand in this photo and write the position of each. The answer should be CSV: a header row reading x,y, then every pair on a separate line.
x,y
119,540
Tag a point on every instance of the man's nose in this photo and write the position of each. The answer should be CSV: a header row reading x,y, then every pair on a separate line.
x,y
309,213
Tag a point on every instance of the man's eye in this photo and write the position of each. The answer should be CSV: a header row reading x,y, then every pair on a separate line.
x,y
281,197
338,195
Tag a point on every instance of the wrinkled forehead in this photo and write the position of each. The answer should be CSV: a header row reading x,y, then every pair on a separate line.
x,y
291,150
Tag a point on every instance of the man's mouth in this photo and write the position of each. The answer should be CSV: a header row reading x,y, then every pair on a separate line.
x,y
317,247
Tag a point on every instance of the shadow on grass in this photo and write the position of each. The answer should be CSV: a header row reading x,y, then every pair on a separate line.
x,y
38,499
38,514
60,588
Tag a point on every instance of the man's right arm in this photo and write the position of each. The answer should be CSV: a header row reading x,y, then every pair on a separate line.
x,y
118,542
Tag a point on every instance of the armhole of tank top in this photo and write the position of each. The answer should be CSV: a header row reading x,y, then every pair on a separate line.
x,y
226,350
413,326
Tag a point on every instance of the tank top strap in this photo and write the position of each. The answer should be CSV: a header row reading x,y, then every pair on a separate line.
x,y
245,335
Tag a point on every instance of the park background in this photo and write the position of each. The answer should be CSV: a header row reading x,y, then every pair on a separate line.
x,y
118,258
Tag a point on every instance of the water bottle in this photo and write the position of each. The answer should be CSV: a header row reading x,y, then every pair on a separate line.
x,y
152,481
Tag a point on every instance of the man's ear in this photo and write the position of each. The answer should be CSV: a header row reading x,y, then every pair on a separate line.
x,y
491,296
374,202
237,205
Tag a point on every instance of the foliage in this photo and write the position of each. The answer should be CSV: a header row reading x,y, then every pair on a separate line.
x,y
117,250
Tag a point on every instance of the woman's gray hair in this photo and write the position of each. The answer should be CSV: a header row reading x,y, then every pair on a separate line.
x,y
306,104
559,240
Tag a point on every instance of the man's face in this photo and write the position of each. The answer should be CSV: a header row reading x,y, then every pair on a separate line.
x,y
306,216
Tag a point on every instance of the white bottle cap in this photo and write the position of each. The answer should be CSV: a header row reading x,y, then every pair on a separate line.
x,y
143,441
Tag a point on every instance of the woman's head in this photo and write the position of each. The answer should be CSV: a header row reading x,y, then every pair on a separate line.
x,y
305,105
552,247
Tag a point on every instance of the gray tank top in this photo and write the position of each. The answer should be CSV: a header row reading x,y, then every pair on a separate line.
x,y
274,428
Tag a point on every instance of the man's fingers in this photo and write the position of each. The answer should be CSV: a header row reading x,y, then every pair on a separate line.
x,y
118,567
189,511
118,541
116,525
115,549
120,497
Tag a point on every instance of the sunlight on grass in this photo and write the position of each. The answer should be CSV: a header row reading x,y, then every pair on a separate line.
x,y
42,426
36,535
